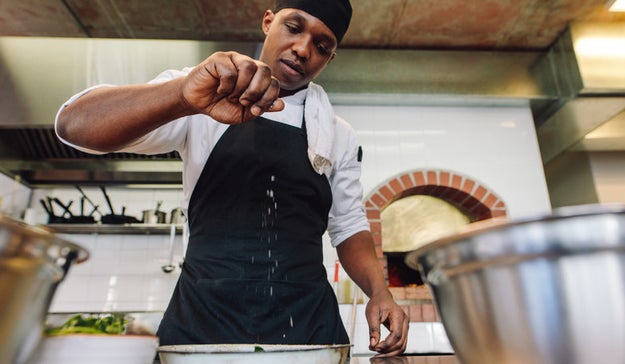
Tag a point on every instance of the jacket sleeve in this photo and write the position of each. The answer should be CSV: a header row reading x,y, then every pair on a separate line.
x,y
347,215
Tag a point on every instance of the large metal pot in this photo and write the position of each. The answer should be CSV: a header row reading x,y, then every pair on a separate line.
x,y
549,289
32,262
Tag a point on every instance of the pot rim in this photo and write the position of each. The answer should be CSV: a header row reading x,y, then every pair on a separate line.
x,y
45,234
248,348
495,225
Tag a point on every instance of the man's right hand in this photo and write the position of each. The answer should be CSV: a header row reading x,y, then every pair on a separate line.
x,y
231,88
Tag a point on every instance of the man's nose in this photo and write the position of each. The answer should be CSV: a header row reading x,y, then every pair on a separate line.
x,y
302,47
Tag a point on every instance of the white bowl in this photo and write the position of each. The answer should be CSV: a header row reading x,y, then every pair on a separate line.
x,y
96,349
248,354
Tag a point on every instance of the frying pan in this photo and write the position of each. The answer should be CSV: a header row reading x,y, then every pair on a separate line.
x,y
73,219
112,218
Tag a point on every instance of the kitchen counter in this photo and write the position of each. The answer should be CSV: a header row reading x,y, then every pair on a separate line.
x,y
405,359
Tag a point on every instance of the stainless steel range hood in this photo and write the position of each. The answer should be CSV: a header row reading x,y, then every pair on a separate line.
x,y
570,92
38,74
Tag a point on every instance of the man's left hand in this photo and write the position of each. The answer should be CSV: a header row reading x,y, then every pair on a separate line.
x,y
383,310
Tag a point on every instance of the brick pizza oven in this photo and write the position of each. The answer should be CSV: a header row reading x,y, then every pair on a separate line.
x,y
474,199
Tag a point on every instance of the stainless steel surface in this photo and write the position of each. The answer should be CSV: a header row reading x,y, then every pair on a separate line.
x,y
152,217
32,262
248,354
176,216
542,290
588,79
404,359
125,229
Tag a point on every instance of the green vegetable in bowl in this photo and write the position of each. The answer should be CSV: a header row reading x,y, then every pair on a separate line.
x,y
258,349
110,324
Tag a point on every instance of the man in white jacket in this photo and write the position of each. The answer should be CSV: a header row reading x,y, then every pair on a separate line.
x,y
268,168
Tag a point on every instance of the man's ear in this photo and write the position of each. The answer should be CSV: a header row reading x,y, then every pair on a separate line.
x,y
267,20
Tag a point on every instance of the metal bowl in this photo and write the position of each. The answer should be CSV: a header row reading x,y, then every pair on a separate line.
x,y
253,354
549,289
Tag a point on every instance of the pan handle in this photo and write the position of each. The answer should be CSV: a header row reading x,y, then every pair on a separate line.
x,y
108,200
45,206
84,195
65,208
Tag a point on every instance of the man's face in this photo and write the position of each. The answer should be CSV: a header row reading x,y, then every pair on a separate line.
x,y
297,47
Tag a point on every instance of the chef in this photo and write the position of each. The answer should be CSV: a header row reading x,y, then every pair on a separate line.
x,y
268,168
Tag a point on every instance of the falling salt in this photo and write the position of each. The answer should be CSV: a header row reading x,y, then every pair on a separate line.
x,y
291,319
252,259
271,292
269,254
273,178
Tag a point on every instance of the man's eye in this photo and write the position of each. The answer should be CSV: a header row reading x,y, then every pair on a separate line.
x,y
292,28
322,49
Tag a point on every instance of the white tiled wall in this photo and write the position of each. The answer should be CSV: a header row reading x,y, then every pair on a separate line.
x,y
123,273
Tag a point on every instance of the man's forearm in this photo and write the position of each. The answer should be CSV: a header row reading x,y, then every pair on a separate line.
x,y
109,118
358,258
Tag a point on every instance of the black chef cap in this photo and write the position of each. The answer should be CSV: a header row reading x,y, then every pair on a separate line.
x,y
336,14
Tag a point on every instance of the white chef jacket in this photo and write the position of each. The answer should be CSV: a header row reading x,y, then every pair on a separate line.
x,y
195,136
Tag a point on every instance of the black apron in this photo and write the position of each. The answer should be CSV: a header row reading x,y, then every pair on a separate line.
x,y
253,271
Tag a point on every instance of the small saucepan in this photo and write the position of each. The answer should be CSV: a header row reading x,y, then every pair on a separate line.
x,y
154,217
176,217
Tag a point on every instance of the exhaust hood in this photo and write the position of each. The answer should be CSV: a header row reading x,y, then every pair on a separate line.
x,y
587,66
570,92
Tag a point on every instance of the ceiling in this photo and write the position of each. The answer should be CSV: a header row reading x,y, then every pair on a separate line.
x,y
405,24
478,38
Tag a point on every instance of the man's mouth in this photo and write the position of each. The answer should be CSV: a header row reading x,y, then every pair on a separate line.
x,y
294,66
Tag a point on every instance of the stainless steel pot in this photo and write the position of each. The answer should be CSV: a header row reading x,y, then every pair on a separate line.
x,y
548,290
154,217
176,216
32,263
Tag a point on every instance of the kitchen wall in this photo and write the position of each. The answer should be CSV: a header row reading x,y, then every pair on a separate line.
x,y
495,146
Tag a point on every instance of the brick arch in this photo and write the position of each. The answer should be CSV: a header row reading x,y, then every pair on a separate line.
x,y
477,201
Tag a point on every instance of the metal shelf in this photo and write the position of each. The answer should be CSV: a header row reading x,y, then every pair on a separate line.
x,y
122,229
